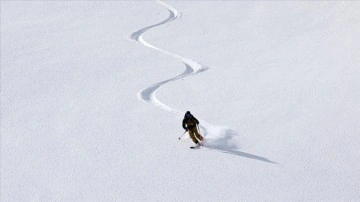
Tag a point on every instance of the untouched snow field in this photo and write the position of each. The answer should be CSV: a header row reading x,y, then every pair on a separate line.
x,y
93,95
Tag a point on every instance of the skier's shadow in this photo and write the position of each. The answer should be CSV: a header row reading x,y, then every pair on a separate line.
x,y
225,144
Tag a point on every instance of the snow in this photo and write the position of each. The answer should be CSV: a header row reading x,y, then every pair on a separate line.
x,y
93,95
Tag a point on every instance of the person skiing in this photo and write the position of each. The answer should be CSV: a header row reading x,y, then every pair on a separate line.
x,y
189,124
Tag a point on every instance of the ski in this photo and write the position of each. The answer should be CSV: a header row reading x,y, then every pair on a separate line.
x,y
198,147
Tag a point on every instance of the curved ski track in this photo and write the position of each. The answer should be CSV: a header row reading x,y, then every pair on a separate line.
x,y
192,67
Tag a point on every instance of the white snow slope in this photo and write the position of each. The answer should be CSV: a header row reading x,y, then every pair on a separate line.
x,y
93,95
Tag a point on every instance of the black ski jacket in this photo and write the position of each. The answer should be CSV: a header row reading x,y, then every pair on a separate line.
x,y
189,123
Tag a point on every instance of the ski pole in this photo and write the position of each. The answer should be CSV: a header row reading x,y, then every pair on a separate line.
x,y
182,135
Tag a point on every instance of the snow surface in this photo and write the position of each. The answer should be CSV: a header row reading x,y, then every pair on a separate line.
x,y
93,95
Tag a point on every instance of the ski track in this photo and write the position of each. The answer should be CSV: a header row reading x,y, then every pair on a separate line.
x,y
222,139
191,67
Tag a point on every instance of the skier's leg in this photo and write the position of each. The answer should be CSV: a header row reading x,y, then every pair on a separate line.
x,y
192,136
197,134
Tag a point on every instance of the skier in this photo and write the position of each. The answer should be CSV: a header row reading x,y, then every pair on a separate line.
x,y
189,124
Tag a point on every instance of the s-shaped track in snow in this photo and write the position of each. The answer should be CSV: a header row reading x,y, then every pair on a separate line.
x,y
222,140
192,67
